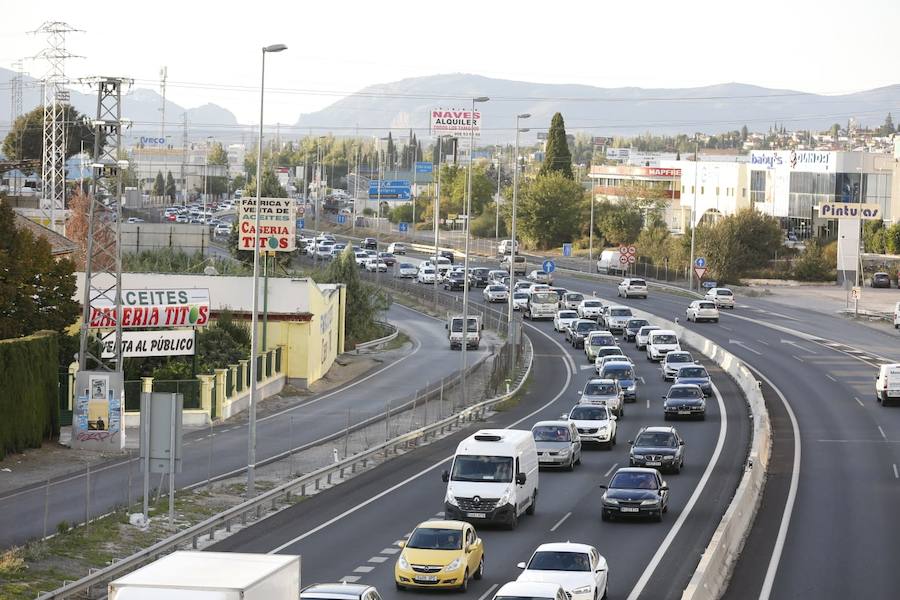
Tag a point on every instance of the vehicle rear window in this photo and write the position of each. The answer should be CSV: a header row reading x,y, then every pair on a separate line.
x,y
639,282
620,312
599,389
551,433
724,293
706,305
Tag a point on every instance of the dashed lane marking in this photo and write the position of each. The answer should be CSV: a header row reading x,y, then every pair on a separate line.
x,y
489,591
881,431
896,474
612,468
830,377
561,521
858,401
363,569
378,559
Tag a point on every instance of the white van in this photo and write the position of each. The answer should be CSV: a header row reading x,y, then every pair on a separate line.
x,y
660,342
397,248
494,477
609,263
887,384
506,246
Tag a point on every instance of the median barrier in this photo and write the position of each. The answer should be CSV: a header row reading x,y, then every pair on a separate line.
x,y
710,579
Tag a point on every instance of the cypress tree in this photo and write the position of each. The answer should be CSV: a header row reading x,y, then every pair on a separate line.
x,y
557,157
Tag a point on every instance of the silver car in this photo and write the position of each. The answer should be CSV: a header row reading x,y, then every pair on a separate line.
x,y
674,361
643,335
558,444
340,591
617,317
605,392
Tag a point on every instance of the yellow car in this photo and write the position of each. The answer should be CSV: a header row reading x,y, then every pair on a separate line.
x,y
440,554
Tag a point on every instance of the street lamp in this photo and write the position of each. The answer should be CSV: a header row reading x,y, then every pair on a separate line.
x,y
251,445
437,214
512,259
694,214
465,343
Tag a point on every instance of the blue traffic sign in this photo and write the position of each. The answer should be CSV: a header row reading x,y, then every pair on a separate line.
x,y
424,167
567,249
301,224
700,262
342,219
548,266
403,227
709,285
389,190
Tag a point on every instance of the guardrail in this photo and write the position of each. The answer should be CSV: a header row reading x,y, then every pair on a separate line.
x,y
711,577
379,341
269,500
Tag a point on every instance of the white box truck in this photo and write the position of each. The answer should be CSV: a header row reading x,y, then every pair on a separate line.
x,y
454,329
493,478
212,576
609,263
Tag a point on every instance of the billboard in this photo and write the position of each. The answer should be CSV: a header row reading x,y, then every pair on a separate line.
x,y
176,342
843,210
811,161
397,189
277,224
455,121
153,309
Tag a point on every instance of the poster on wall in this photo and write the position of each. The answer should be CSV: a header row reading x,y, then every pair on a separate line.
x,y
97,422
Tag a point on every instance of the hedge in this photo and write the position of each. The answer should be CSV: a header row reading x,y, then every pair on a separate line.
x,y
29,406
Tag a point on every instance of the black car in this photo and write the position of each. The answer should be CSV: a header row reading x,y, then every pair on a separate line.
x,y
684,400
370,244
658,447
448,254
454,281
881,280
478,277
635,492
632,327
578,330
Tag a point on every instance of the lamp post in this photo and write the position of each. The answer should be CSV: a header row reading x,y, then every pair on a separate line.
x,y
510,333
318,170
437,214
497,202
693,213
462,358
251,445
378,228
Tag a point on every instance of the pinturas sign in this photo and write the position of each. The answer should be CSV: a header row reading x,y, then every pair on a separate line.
x,y
147,309
842,210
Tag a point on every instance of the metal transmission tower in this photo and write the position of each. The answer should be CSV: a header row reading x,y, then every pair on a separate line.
x,y
103,269
53,162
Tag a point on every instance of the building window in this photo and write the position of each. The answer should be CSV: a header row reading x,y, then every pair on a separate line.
x,y
717,190
702,189
682,190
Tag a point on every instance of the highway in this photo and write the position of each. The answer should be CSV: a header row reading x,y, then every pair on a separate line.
x,y
350,532
225,450
834,480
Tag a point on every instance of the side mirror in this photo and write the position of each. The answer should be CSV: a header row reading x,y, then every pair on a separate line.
x,y
663,397
564,417
521,479
664,488
445,476
681,442
630,442
613,418
579,392
602,487
520,565
401,543
446,326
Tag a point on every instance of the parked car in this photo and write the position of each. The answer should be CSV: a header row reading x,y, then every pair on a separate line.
x,y
594,423
631,287
635,492
674,361
697,375
661,448
632,327
684,400
580,569
723,297
495,293
558,444
407,271
702,310
881,280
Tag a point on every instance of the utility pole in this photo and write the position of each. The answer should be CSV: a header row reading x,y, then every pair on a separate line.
x,y
184,157
694,210
15,110
497,202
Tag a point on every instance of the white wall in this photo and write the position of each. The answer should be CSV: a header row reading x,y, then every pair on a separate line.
x,y
720,186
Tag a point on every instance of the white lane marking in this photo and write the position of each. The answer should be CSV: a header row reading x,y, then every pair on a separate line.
x,y
378,559
777,550
611,469
489,591
349,579
881,431
726,328
363,569
679,523
831,441
390,551
745,346
828,375
565,354
858,401
439,515
896,474
763,342
648,402
585,367
561,521
797,358
425,471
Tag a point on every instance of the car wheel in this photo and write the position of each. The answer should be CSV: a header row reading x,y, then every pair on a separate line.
x,y
400,588
464,586
648,357
480,572
604,515
676,469
605,595
571,466
533,506
513,522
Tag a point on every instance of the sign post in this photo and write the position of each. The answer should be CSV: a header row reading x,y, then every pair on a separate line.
x,y
699,269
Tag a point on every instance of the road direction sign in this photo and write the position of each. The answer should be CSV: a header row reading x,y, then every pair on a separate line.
x,y
632,250
567,249
548,266
403,227
632,259
623,259
700,271
342,219
424,167
700,262
301,224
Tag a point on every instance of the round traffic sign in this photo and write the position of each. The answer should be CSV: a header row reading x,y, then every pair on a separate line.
x,y
623,249
300,210
700,262
632,250
548,266
632,258
623,259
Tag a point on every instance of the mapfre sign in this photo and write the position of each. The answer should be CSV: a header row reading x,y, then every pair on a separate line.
x,y
277,224
455,121
153,309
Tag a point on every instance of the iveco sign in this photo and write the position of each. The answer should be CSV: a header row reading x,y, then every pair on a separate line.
x,y
153,141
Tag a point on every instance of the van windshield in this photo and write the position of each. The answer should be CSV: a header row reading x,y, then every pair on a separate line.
x,y
544,298
482,468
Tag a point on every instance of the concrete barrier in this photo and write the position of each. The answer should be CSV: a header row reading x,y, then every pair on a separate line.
x,y
711,577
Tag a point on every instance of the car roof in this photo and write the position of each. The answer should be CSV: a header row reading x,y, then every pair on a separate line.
x,y
657,429
340,590
564,547
443,524
553,423
684,385
600,380
634,470
531,589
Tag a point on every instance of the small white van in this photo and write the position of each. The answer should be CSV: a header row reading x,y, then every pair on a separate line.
x,y
887,384
660,342
493,478
505,247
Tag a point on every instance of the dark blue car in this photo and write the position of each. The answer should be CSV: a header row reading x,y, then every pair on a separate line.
x,y
696,375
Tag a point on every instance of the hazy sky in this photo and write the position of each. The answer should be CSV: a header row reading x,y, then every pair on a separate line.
x,y
336,47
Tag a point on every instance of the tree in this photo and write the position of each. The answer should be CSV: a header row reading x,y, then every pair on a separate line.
x,y
170,185
548,210
874,236
835,131
892,239
159,184
557,157
738,243
271,188
238,182
36,290
620,222
25,139
744,133
888,127
363,300
218,157
813,265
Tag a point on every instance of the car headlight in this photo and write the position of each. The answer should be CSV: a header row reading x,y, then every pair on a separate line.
x,y
631,387
585,589
403,563
668,458
449,499
453,565
609,500
564,452
504,498
649,502
602,428
637,456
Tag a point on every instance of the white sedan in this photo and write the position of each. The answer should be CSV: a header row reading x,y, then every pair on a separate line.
x,y
594,423
702,310
425,275
540,277
721,296
520,300
563,319
580,569
608,358
407,271
495,293
590,308
376,264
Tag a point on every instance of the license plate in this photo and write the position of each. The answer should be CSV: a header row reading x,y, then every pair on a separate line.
x,y
893,393
684,412
429,578
653,463
476,515
629,509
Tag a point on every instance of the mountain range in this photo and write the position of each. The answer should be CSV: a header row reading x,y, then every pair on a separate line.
x,y
613,112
